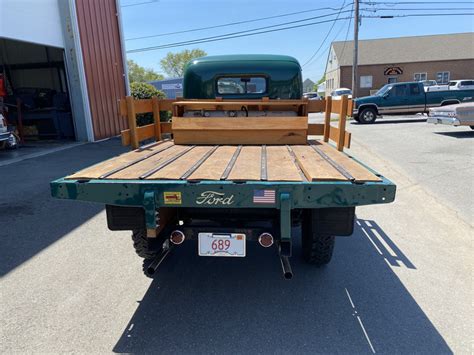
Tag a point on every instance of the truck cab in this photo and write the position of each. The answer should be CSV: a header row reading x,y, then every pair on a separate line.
x,y
248,76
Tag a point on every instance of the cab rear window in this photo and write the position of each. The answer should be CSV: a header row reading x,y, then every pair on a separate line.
x,y
241,85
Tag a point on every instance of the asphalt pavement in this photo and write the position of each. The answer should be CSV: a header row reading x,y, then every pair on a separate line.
x,y
400,284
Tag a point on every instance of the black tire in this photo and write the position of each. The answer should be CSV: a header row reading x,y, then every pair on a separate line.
x,y
356,119
471,127
317,247
141,245
367,115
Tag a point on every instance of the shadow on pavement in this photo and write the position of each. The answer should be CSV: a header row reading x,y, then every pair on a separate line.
x,y
30,218
459,134
221,305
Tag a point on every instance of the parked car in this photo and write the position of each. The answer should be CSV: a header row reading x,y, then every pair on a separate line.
x,y
337,94
311,96
400,98
454,115
461,84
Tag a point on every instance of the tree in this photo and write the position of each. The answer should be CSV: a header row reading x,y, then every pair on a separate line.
x,y
320,81
173,64
139,74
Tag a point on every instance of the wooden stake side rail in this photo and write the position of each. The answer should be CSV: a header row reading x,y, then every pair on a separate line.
x,y
233,130
314,161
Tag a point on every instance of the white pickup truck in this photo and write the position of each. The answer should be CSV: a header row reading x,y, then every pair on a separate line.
x,y
454,115
452,85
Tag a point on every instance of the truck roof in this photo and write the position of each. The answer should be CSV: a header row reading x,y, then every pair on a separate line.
x,y
245,57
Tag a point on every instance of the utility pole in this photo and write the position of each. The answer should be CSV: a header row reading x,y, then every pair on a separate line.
x,y
355,81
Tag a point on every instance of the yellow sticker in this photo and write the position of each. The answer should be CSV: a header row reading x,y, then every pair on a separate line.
x,y
172,198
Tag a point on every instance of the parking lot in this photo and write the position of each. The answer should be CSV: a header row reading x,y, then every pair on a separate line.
x,y
402,283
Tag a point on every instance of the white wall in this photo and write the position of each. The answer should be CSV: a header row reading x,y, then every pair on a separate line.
x,y
35,21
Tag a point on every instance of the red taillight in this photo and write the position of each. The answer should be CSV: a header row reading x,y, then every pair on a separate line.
x,y
177,237
265,240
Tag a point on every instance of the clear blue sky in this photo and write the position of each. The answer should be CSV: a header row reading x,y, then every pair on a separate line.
x,y
164,16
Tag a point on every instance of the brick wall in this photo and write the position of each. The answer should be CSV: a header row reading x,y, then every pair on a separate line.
x,y
459,69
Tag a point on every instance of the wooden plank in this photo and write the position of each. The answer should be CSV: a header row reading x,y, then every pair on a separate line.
x,y
327,118
314,166
214,166
334,136
316,105
193,103
145,105
316,129
95,171
240,137
239,123
359,172
145,132
247,165
280,165
177,168
132,122
342,124
155,103
134,171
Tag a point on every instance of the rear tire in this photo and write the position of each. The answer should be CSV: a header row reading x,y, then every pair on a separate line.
x,y
471,127
142,245
367,115
317,247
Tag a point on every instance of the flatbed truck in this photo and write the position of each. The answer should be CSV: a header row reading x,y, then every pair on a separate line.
x,y
237,164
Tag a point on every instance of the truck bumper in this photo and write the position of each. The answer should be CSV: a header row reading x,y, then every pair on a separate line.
x,y
452,121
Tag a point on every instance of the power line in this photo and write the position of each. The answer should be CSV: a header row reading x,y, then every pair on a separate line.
x,y
419,15
418,9
413,2
236,34
140,3
329,47
226,37
325,38
234,23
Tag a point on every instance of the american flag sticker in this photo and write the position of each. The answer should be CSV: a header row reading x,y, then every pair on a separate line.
x,y
263,196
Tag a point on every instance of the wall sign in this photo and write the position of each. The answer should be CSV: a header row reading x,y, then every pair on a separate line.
x,y
393,71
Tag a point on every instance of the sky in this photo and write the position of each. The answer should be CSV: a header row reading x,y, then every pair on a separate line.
x,y
151,17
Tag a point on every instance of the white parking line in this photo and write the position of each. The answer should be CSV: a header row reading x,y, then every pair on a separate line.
x,y
360,321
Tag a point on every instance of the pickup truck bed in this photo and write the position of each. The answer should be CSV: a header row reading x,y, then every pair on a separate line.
x,y
189,171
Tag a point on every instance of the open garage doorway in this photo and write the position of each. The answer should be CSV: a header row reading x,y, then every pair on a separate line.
x,y
35,93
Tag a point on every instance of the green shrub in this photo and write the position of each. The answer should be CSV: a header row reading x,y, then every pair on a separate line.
x,y
147,91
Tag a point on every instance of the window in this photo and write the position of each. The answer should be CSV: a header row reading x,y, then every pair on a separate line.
x,y
442,77
420,76
366,81
414,89
392,80
399,90
467,82
241,85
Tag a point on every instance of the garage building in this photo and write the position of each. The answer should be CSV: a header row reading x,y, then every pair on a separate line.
x,y
389,60
62,67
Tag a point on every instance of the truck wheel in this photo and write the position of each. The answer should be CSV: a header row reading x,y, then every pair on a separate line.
x,y
317,247
140,243
367,115
471,127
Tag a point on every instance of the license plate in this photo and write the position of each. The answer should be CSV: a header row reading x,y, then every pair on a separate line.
x,y
221,244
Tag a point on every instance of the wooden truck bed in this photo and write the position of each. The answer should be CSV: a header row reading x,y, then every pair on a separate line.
x,y
314,161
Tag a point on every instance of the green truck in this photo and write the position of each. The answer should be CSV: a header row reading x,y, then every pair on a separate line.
x,y
402,98
238,169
